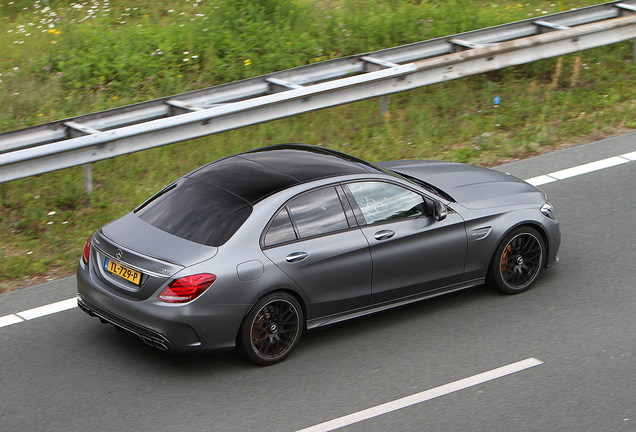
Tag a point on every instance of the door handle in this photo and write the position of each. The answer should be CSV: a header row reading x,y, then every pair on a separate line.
x,y
384,234
296,257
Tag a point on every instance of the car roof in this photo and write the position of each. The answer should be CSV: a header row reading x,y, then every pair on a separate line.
x,y
256,174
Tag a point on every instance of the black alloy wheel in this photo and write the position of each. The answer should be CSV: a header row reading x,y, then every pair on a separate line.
x,y
271,329
518,261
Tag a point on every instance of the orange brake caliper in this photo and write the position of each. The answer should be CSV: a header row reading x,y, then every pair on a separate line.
x,y
504,259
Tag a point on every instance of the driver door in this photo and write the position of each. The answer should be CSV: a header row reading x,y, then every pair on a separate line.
x,y
410,250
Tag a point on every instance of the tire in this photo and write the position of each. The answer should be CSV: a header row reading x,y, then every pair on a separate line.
x,y
271,329
518,261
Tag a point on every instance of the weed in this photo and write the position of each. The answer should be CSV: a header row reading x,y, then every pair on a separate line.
x,y
31,222
67,196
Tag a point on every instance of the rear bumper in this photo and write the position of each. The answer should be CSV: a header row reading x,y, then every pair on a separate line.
x,y
191,327
150,337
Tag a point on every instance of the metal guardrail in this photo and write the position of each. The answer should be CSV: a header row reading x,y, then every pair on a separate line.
x,y
93,137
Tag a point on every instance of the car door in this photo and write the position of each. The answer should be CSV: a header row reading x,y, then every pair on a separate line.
x,y
411,251
316,243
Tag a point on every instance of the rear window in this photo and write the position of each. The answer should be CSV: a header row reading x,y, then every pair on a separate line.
x,y
196,211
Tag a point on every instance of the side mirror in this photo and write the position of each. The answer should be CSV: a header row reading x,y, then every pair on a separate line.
x,y
439,210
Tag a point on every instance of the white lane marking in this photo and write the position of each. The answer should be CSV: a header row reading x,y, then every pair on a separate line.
x,y
589,167
38,312
582,169
9,319
534,181
537,181
48,309
423,396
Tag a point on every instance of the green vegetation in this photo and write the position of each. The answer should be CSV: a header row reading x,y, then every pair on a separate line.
x,y
59,59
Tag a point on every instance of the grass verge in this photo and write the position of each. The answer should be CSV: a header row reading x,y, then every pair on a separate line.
x,y
63,59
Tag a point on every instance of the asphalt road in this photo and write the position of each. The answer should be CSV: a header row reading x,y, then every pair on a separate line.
x,y
68,372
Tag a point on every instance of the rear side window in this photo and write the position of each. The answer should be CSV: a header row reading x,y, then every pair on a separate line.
x,y
318,212
196,211
315,213
281,229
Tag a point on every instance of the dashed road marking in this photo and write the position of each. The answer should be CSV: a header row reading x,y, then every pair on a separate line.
x,y
38,312
582,169
423,396
9,319
48,309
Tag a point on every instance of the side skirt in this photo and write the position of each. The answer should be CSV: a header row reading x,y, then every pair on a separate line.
x,y
336,318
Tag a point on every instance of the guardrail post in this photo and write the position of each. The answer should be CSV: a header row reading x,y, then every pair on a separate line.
x,y
384,105
88,177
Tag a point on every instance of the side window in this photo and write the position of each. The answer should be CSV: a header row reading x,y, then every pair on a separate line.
x,y
380,201
318,212
281,229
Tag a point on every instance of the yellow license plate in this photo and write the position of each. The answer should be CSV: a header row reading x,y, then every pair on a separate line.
x,y
123,271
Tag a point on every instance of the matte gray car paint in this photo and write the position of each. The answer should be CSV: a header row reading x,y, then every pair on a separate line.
x,y
336,274
453,255
424,254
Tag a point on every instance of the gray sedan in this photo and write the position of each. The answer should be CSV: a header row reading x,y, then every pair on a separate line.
x,y
251,250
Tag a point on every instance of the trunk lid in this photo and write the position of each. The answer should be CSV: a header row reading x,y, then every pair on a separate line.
x,y
136,259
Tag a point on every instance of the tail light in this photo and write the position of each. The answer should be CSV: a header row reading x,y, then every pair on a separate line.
x,y
186,288
87,250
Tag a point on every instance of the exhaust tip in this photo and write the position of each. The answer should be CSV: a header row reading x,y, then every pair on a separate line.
x,y
155,343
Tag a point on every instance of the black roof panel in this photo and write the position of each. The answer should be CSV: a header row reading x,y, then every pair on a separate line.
x,y
258,173
246,179
305,165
